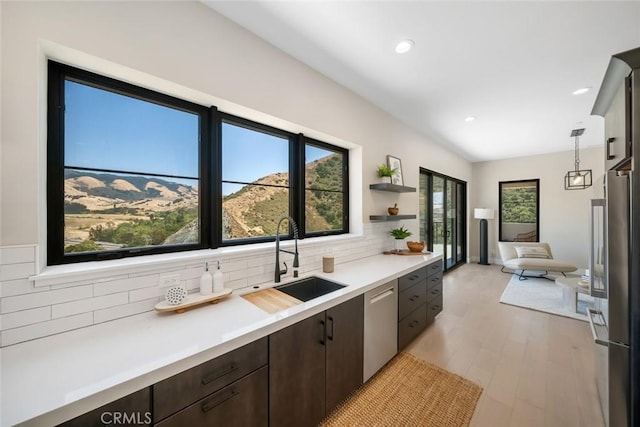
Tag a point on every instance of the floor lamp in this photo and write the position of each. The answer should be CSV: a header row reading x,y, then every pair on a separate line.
x,y
483,214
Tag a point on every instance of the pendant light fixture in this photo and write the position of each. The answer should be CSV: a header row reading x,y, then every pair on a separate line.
x,y
577,179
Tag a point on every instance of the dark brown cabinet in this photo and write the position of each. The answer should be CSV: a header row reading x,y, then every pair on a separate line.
x,y
419,301
129,410
314,364
617,127
345,350
230,387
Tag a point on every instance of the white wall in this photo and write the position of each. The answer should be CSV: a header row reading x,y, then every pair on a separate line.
x,y
187,50
564,215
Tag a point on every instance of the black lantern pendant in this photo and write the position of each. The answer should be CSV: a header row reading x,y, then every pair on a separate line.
x,y
577,179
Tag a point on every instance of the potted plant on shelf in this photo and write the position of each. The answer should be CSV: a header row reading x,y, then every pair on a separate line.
x,y
385,172
399,234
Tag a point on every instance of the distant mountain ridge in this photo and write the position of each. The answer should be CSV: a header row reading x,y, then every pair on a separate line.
x,y
104,191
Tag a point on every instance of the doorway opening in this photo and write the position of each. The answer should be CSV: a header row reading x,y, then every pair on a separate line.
x,y
443,218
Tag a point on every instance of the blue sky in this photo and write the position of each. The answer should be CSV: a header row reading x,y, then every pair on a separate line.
x,y
104,130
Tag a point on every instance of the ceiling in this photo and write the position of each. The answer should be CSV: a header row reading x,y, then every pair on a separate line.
x,y
511,64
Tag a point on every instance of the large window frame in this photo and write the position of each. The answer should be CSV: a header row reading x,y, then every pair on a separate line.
x,y
501,232
210,170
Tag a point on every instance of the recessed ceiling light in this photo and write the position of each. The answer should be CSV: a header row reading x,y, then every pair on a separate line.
x,y
469,119
404,46
581,90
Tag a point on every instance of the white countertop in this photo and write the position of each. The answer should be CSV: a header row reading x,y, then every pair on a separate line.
x,y
52,379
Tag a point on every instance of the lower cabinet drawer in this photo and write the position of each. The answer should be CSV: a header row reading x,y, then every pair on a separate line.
x,y
434,280
434,293
129,410
412,298
243,403
411,326
434,307
410,279
181,390
433,268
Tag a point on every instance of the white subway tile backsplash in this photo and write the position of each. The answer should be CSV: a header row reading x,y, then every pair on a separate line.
x,y
156,270
261,261
120,311
43,329
17,255
147,293
25,317
195,272
90,281
47,298
121,285
253,271
10,288
233,265
89,304
16,271
28,312
261,278
191,284
236,284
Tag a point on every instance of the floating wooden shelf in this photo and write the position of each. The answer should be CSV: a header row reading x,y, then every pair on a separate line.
x,y
193,300
384,186
390,217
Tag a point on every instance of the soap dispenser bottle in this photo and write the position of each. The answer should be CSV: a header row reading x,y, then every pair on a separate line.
x,y
218,280
206,281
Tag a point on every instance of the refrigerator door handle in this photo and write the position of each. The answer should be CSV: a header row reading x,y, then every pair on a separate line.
x,y
593,314
597,324
597,265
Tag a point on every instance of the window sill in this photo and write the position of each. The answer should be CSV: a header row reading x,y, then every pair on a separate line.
x,y
97,270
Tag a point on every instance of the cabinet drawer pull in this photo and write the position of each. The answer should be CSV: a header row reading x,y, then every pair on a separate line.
x,y
324,332
413,298
414,323
330,337
435,307
414,277
219,374
217,400
435,292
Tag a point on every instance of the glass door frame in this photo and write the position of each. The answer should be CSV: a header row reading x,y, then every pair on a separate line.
x,y
461,211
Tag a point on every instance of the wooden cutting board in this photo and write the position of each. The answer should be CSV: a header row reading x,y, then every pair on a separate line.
x,y
405,252
271,300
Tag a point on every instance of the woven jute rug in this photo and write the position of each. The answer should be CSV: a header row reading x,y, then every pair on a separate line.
x,y
409,392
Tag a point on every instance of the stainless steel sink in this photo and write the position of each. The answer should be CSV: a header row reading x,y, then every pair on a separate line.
x,y
309,288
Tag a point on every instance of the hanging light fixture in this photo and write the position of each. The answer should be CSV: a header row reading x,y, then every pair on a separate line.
x,y
577,179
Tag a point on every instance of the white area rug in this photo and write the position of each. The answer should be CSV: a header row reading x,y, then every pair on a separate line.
x,y
543,295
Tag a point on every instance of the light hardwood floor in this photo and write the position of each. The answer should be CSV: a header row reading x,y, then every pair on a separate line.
x,y
536,369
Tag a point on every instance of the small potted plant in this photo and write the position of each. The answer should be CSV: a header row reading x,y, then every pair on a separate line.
x,y
385,172
400,234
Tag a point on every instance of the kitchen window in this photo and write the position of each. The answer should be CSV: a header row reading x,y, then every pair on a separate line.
x,y
131,171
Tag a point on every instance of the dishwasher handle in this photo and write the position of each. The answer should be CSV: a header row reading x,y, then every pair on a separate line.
x,y
382,295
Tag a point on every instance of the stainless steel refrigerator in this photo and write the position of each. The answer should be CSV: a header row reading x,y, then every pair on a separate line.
x,y
615,252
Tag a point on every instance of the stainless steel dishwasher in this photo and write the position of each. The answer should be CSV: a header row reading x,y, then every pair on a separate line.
x,y
380,327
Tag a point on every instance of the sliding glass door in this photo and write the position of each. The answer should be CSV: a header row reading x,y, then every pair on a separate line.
x,y
443,216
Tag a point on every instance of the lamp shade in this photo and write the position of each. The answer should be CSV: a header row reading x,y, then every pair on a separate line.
x,y
483,213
